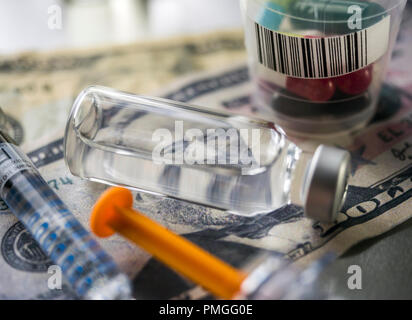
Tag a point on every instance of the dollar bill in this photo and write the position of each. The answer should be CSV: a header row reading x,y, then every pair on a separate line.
x,y
38,89
377,200
378,196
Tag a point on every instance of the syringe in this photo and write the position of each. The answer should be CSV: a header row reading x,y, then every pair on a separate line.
x,y
88,268
270,276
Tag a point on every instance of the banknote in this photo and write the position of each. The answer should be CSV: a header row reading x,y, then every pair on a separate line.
x,y
378,198
42,86
37,91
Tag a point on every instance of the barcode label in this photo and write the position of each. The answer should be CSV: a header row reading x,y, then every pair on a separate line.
x,y
323,57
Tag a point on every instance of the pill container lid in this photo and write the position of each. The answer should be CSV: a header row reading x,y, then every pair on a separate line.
x,y
325,183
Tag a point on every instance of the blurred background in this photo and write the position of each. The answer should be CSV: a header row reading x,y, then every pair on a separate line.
x,y
52,24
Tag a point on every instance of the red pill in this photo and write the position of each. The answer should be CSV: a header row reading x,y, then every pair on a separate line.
x,y
311,89
356,82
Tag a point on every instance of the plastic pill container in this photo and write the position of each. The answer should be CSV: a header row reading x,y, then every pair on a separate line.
x,y
317,66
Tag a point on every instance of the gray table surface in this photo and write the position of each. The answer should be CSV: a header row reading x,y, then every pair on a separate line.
x,y
386,267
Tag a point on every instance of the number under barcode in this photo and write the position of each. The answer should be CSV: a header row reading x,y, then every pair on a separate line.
x,y
312,57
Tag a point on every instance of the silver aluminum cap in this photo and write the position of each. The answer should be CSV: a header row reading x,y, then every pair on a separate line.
x,y
325,183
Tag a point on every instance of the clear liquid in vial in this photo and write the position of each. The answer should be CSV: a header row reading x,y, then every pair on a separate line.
x,y
230,162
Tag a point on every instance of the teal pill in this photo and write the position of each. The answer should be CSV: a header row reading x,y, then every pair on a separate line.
x,y
271,16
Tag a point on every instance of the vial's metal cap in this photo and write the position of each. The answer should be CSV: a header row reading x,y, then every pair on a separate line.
x,y
325,185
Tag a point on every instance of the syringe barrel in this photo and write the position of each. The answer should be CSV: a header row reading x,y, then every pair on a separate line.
x,y
87,267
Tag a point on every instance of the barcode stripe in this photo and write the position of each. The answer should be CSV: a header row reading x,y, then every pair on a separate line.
x,y
297,60
340,56
336,55
333,47
331,58
318,58
337,62
285,56
352,51
288,57
259,48
262,35
292,53
307,46
260,44
280,53
269,57
346,54
273,52
266,57
297,52
355,36
303,50
352,56
282,56
332,66
311,57
366,46
325,68
322,66
361,41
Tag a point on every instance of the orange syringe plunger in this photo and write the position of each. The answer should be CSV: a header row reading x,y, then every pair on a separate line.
x,y
113,213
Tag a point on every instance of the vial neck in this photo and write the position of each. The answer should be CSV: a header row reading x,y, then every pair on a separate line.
x,y
298,181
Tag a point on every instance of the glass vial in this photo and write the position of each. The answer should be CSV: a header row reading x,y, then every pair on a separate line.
x,y
235,163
